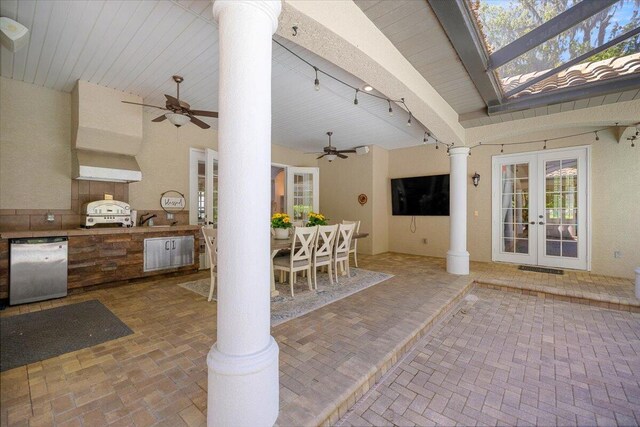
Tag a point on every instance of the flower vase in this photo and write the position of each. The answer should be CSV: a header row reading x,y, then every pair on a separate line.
x,y
281,233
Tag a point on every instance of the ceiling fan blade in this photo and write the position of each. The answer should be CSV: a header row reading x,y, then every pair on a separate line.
x,y
199,122
319,157
159,119
204,113
144,105
346,151
342,156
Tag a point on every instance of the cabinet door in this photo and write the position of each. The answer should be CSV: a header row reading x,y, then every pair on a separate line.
x,y
157,253
182,251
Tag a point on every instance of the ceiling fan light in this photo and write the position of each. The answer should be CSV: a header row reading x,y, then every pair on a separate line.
x,y
178,119
330,157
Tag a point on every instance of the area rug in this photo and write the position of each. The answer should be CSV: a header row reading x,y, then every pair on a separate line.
x,y
31,337
284,307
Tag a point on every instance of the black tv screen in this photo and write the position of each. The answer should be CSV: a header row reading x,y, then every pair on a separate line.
x,y
420,195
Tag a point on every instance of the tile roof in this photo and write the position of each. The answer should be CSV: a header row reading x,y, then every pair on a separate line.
x,y
587,72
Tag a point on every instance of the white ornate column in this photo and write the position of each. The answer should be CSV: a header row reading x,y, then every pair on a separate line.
x,y
243,387
457,256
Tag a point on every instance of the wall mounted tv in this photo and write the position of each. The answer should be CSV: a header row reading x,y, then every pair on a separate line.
x,y
420,195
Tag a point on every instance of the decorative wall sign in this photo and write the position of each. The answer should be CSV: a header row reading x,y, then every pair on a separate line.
x,y
362,199
172,201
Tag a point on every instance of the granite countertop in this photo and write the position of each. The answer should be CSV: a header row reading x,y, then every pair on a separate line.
x,y
91,231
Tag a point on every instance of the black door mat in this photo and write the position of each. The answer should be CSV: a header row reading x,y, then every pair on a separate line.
x,y
541,269
31,337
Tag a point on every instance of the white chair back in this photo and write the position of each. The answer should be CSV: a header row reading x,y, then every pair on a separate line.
x,y
297,223
325,241
306,236
356,231
343,239
211,241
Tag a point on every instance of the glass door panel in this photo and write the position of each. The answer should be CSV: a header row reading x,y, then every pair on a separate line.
x,y
512,202
564,192
302,192
211,188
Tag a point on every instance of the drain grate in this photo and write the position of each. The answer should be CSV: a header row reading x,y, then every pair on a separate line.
x,y
541,269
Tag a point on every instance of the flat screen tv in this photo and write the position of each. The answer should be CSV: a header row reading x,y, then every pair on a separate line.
x,y
420,195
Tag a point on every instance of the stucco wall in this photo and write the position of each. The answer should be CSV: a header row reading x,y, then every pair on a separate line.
x,y
35,153
341,181
615,200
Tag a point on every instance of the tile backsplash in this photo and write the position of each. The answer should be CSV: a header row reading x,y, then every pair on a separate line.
x,y
81,192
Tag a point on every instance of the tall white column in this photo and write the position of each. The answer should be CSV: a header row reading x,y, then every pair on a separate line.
x,y
243,387
457,256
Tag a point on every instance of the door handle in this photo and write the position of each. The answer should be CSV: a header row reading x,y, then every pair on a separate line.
x,y
173,244
532,223
166,245
541,223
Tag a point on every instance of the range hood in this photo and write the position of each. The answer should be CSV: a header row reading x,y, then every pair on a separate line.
x,y
107,134
98,166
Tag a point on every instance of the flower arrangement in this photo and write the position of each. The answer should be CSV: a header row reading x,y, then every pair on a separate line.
x,y
280,220
316,219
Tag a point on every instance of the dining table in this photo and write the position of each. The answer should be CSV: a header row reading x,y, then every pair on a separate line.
x,y
280,244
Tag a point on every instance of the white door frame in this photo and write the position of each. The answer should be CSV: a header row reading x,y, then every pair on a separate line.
x,y
195,155
536,160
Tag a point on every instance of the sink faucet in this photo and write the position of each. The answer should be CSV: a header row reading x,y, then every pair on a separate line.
x,y
143,220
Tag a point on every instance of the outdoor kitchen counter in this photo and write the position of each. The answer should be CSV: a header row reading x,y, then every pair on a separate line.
x,y
104,255
92,231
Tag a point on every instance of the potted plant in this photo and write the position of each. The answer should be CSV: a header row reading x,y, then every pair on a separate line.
x,y
281,224
316,219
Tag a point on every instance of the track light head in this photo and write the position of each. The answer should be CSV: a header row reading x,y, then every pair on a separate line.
x,y
355,100
316,83
409,121
597,137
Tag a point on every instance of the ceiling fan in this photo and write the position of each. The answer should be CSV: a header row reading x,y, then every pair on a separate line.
x,y
332,152
179,112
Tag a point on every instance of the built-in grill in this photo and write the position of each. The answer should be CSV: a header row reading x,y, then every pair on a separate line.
x,y
107,212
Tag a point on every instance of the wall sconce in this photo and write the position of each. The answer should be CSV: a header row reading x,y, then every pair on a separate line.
x,y
476,179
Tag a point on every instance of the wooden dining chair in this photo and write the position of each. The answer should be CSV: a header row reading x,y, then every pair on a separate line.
x,y
211,242
341,248
300,258
353,249
323,253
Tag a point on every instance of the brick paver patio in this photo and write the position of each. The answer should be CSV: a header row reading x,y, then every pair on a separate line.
x,y
514,359
328,358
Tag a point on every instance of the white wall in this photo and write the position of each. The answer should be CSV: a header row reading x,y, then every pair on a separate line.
x,y
615,199
35,153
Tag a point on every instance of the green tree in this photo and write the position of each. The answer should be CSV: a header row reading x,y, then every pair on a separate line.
x,y
503,23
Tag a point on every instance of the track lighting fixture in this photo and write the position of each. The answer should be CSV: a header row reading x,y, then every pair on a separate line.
x,y
502,148
355,100
545,145
317,82
425,138
409,121
597,137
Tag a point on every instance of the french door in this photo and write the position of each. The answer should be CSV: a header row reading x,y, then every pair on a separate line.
x,y
303,192
540,208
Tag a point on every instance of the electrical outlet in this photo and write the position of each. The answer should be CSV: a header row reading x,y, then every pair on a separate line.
x,y
425,241
475,213
169,216
617,254
50,217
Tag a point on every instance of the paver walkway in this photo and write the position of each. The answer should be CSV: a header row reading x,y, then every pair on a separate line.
x,y
517,360
158,375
